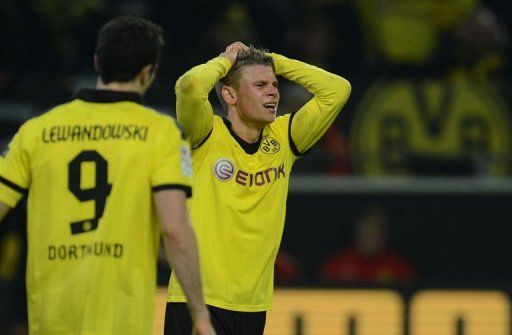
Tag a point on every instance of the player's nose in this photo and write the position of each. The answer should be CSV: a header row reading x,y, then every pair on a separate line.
x,y
273,91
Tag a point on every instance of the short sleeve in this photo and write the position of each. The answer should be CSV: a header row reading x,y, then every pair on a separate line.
x,y
173,165
15,169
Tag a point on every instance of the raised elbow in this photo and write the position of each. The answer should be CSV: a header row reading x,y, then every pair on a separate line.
x,y
343,89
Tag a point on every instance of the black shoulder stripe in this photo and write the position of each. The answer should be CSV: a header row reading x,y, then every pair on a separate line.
x,y
12,185
185,188
204,140
295,151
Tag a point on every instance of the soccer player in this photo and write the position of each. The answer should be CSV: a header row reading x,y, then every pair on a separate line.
x,y
242,166
101,172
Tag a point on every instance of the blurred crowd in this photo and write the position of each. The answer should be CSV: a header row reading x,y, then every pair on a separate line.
x,y
431,88
367,257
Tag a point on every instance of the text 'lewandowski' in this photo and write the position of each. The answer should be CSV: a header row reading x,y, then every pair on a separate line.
x,y
76,133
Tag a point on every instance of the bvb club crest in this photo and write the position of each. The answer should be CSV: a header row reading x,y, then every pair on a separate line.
x,y
269,145
399,121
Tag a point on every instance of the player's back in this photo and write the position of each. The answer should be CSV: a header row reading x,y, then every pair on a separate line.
x,y
92,230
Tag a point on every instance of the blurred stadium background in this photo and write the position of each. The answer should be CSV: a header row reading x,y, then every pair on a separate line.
x,y
421,154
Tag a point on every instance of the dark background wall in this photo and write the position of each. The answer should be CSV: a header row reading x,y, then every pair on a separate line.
x,y
451,239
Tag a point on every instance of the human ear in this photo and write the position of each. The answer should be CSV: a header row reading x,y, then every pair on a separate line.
x,y
146,74
229,95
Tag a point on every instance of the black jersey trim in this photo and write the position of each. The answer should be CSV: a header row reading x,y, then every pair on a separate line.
x,y
106,96
295,151
12,185
204,140
187,189
249,148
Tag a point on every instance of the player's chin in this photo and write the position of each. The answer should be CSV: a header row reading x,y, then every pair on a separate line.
x,y
270,116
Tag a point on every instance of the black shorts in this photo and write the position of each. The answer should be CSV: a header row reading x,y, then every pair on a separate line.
x,y
225,322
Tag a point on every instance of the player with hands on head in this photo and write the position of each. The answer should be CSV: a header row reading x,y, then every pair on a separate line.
x,y
105,175
242,164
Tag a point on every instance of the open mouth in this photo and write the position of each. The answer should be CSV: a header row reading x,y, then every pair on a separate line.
x,y
271,106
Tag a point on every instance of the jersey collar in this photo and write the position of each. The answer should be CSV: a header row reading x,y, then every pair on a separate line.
x,y
249,148
105,96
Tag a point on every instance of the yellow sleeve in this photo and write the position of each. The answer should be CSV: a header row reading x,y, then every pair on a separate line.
x,y
330,92
194,111
15,172
173,166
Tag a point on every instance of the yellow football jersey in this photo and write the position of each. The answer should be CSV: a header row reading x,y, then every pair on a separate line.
x,y
90,167
238,209
243,191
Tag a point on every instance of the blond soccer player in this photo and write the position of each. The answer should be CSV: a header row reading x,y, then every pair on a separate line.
x,y
242,166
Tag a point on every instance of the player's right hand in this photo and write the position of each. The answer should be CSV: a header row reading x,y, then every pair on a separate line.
x,y
232,51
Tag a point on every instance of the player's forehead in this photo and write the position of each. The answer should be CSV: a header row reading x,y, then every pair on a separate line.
x,y
257,72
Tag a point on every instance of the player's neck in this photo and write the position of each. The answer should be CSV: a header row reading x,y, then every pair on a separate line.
x,y
129,86
248,132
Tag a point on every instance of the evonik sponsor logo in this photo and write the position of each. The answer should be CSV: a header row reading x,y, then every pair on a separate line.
x,y
260,178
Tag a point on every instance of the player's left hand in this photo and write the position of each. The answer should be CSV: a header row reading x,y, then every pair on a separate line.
x,y
202,325
203,328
